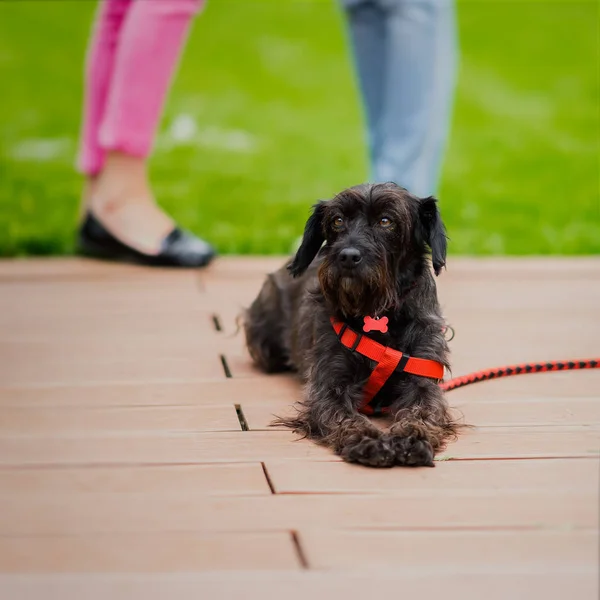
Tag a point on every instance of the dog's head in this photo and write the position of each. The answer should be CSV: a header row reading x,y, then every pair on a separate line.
x,y
375,235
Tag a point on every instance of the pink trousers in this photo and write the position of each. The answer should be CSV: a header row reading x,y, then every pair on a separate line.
x,y
133,53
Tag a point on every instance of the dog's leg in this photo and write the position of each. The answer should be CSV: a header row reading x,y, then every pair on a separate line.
x,y
329,416
264,324
422,423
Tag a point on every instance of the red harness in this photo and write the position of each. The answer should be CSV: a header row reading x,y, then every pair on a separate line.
x,y
388,360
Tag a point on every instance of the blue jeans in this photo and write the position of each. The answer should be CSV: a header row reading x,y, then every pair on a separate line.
x,y
406,54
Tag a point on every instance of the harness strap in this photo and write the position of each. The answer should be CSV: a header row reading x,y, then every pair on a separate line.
x,y
388,360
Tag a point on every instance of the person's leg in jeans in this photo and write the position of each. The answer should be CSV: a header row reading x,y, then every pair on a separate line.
x,y
409,123
133,57
368,44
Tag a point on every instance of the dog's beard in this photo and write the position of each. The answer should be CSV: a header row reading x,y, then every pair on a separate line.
x,y
372,292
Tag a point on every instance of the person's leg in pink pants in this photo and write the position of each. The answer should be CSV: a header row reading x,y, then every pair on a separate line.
x,y
133,54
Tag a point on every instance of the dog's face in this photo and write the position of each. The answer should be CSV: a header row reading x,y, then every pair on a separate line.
x,y
372,234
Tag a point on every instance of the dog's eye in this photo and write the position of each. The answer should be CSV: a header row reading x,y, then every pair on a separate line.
x,y
385,222
338,223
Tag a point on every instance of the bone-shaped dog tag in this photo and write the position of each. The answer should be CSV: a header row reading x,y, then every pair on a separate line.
x,y
372,324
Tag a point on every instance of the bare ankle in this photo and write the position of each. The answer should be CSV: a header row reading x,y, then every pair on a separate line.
x,y
123,180
125,166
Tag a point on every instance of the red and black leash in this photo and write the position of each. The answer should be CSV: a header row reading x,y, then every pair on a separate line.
x,y
521,369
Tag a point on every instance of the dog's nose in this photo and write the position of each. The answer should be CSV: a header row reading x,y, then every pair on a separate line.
x,y
350,257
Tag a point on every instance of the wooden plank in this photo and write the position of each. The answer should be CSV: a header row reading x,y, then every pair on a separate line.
x,y
199,392
475,549
541,386
218,480
460,478
196,448
142,552
62,329
41,300
18,369
80,513
494,295
497,583
530,268
526,412
242,268
260,446
85,421
84,269
524,443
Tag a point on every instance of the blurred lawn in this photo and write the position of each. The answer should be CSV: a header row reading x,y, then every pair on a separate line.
x,y
270,87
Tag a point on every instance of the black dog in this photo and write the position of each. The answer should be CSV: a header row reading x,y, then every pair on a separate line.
x,y
374,264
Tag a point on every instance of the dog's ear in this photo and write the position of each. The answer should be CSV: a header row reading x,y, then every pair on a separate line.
x,y
432,232
312,241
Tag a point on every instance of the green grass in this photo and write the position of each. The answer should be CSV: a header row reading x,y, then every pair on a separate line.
x,y
271,87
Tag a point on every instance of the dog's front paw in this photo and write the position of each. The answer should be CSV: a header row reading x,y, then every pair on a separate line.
x,y
372,452
412,451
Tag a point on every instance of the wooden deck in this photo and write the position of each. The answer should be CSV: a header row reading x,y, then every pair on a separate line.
x,y
136,459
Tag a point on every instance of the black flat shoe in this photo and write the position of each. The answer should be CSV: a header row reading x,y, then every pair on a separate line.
x,y
179,249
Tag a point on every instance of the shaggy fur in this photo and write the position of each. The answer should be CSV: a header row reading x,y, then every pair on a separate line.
x,y
390,234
